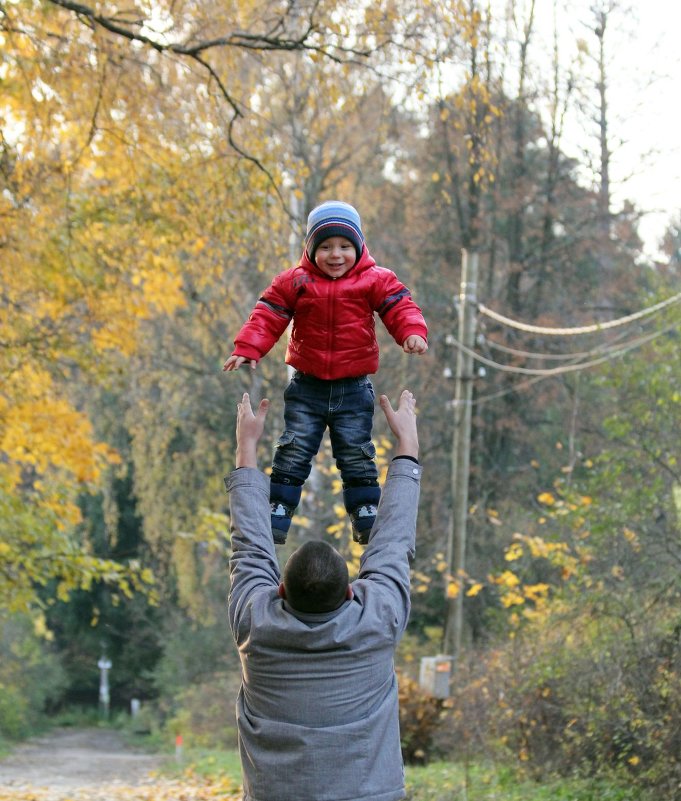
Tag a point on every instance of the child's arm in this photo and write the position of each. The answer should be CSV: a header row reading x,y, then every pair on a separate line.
x,y
266,323
400,315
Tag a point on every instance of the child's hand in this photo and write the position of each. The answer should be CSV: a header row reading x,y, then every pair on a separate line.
x,y
414,344
235,362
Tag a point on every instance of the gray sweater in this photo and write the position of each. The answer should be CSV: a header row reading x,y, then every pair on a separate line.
x,y
317,713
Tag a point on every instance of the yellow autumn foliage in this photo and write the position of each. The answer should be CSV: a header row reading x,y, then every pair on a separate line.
x,y
92,231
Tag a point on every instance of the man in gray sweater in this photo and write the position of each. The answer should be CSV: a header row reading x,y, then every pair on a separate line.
x,y
317,713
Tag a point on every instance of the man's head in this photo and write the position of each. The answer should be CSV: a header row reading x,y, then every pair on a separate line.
x,y
333,219
315,578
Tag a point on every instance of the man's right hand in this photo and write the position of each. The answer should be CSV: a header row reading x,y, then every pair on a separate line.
x,y
403,423
249,428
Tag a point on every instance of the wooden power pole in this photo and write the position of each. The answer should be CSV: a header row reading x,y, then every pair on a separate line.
x,y
461,445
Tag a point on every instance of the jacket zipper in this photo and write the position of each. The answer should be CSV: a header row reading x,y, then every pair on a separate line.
x,y
332,316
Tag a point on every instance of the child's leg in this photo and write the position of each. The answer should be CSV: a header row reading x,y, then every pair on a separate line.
x,y
304,424
350,431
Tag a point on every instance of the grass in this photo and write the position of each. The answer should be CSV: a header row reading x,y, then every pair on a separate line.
x,y
447,781
207,762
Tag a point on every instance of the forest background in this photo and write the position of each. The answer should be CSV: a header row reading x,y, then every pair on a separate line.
x,y
158,162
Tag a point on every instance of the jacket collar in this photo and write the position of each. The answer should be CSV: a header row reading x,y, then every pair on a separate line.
x,y
315,618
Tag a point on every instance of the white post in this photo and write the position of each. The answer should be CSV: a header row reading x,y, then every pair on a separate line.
x,y
104,666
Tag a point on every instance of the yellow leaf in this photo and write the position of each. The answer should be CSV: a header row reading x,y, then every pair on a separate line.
x,y
147,576
512,599
513,552
507,579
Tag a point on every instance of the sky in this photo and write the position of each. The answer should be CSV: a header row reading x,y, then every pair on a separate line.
x,y
645,98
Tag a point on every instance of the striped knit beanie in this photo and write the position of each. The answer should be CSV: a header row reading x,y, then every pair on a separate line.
x,y
333,218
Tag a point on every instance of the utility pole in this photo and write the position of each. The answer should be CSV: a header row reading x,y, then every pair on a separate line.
x,y
461,446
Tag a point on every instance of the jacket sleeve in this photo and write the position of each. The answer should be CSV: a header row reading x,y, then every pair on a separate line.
x,y
388,555
395,306
268,320
253,566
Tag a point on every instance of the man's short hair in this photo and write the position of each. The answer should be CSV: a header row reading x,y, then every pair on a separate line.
x,y
315,578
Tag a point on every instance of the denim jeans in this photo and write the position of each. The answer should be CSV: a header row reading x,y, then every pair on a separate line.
x,y
346,407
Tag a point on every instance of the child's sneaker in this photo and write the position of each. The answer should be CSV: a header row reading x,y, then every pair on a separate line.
x,y
362,521
360,504
284,500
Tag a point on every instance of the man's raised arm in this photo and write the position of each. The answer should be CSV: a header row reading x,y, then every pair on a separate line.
x,y
253,564
386,560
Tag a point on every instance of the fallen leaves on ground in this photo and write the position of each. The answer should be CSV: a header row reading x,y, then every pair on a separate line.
x,y
192,788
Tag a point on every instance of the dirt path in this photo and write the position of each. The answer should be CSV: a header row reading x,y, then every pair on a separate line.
x,y
66,760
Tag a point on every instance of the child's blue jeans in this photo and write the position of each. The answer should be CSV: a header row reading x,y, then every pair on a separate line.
x,y
346,407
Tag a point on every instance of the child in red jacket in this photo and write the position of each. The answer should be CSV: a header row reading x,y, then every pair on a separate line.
x,y
331,297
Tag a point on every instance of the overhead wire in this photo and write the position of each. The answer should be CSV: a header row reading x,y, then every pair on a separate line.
x,y
533,355
572,356
610,351
570,368
522,385
583,329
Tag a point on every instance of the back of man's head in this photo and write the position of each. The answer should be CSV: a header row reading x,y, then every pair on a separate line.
x,y
315,578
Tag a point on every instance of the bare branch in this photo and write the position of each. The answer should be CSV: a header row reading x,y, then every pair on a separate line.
x,y
238,39
197,52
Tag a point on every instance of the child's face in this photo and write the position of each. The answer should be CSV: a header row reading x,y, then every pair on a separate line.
x,y
335,256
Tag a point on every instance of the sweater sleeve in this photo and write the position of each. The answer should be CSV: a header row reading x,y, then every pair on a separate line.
x,y
395,306
268,320
388,555
253,566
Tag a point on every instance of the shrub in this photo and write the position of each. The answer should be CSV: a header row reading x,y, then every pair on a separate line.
x,y
31,678
577,696
420,718
205,713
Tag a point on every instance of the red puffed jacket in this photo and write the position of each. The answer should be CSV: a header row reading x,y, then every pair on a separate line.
x,y
333,334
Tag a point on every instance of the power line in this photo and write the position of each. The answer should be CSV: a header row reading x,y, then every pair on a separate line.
x,y
533,355
584,329
573,356
613,353
480,400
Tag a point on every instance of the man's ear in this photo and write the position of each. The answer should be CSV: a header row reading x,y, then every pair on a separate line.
x,y
349,593
282,591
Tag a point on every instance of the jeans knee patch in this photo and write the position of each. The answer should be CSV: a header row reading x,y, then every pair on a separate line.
x,y
284,450
286,439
